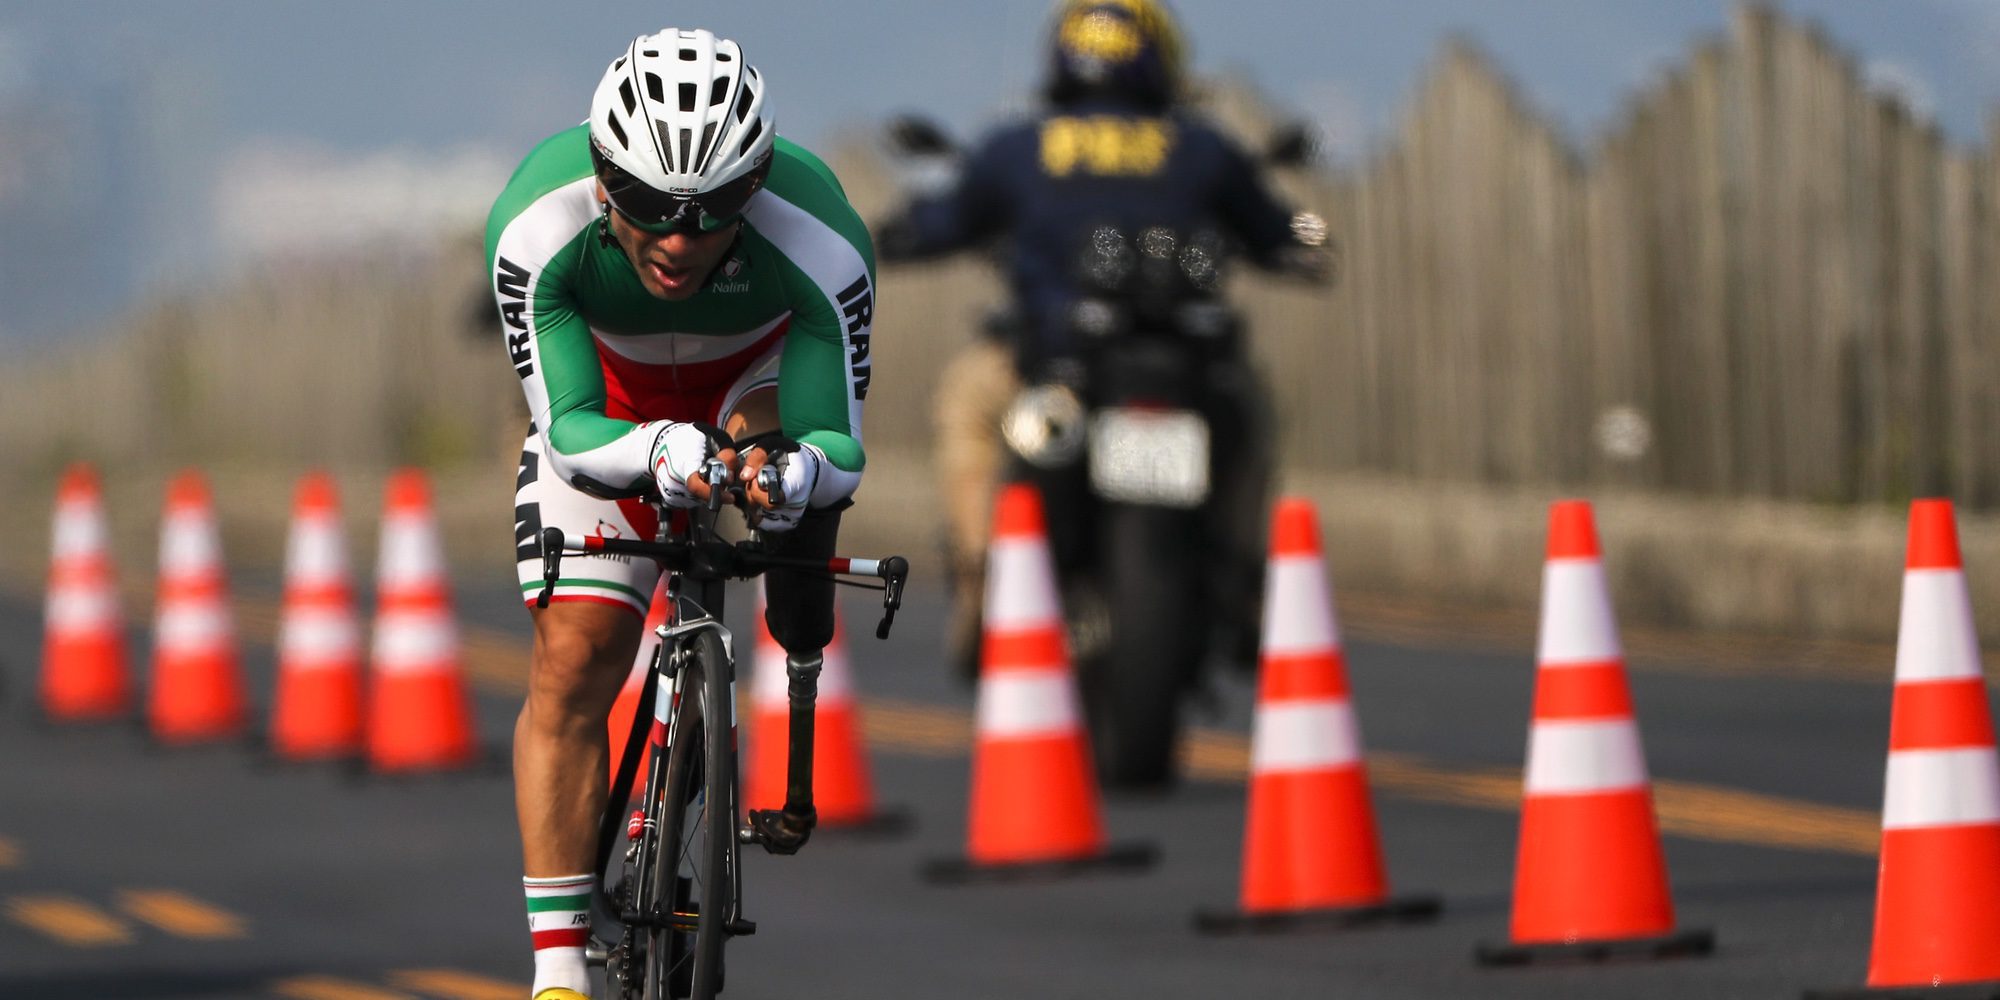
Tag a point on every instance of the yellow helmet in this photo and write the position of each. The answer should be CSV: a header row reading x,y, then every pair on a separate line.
x,y
1124,48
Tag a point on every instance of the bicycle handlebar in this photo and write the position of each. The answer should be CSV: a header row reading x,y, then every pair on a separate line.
x,y
718,558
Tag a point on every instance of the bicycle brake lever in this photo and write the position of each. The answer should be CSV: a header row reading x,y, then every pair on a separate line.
x,y
552,549
896,572
715,472
773,484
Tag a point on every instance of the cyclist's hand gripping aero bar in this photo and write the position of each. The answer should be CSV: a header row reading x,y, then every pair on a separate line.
x,y
739,560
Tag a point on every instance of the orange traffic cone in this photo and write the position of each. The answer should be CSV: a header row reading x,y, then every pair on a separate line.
x,y
843,794
197,686
1937,902
1034,808
316,710
418,715
84,672
1310,853
625,710
1590,881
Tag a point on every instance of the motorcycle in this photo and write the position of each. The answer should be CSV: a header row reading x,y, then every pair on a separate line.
x,y
1148,454
1131,452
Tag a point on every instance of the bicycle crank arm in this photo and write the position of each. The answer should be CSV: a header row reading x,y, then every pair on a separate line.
x,y
684,922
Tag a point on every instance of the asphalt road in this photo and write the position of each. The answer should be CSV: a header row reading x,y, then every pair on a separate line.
x,y
131,872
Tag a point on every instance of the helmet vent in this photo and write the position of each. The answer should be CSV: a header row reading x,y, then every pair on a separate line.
x,y
620,64
722,57
656,89
707,142
687,55
651,53
743,105
618,132
756,129
719,91
665,140
687,146
625,92
687,97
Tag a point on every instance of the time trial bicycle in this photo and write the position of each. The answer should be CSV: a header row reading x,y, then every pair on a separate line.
x,y
676,895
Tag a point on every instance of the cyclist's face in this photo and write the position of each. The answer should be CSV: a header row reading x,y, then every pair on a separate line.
x,y
674,265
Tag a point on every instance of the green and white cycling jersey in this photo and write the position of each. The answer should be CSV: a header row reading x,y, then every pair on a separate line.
x,y
602,360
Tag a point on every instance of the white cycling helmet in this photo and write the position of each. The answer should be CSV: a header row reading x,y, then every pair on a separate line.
x,y
679,133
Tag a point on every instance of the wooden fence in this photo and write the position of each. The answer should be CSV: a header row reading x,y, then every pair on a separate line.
x,y
1765,280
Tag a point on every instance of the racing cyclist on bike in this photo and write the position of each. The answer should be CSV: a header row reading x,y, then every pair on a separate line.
x,y
669,267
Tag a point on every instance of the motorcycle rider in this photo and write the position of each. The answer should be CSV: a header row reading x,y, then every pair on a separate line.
x,y
1115,145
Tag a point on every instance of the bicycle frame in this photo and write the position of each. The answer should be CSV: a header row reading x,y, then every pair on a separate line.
x,y
699,563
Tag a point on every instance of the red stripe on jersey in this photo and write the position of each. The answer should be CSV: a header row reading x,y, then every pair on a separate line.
x,y
591,598
637,391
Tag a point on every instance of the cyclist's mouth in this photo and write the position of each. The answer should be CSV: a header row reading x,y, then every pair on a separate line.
x,y
670,277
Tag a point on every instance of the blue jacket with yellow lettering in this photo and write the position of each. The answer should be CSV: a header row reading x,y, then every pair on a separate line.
x,y
1041,185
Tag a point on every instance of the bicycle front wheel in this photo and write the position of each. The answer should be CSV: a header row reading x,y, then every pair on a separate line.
x,y
696,873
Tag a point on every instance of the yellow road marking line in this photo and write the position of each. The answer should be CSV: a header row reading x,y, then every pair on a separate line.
x,y
329,988
1704,812
10,854
456,985
180,914
71,921
499,663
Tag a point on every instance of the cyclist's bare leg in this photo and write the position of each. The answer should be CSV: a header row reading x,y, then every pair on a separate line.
x,y
583,653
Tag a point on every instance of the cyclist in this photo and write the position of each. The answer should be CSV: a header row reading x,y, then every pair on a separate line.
x,y
1116,145
669,264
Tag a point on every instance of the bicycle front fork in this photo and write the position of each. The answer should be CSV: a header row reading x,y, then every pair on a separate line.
x,y
784,831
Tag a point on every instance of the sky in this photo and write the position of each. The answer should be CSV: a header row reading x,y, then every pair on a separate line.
x,y
161,143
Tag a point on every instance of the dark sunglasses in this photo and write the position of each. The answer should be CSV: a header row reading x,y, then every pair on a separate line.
x,y
658,212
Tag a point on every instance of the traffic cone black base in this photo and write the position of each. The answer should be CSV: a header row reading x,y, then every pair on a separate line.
x,y
1958,991
1132,859
1410,909
1685,943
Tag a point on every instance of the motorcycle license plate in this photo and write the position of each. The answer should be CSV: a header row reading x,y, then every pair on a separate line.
x,y
1156,457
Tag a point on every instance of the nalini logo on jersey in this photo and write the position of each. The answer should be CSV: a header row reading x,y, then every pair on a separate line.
x,y
857,305
510,284
729,277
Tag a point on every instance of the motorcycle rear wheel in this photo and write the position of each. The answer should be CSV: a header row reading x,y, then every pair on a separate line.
x,y
1157,638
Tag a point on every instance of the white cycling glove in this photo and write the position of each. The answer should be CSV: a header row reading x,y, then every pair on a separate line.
x,y
798,474
678,452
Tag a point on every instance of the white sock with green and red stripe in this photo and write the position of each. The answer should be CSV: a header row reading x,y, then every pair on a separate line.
x,y
559,921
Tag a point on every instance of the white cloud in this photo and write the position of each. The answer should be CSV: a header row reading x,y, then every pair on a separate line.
x,y
1893,79
294,198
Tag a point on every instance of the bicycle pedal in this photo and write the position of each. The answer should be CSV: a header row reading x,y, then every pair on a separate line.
x,y
767,829
597,953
